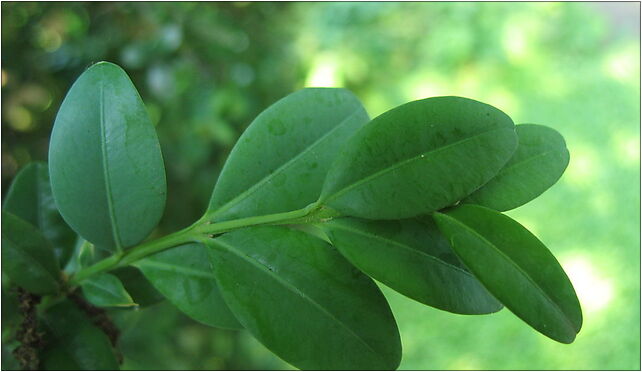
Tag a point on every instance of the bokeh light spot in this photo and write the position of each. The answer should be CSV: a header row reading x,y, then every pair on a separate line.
x,y
514,42
5,78
505,101
19,118
324,73
594,291
603,202
242,73
465,362
425,86
623,65
583,167
49,39
627,147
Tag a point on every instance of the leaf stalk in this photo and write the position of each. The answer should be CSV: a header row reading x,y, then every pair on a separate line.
x,y
313,213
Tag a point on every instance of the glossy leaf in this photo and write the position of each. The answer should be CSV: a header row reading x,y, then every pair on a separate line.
x,y
27,257
281,160
299,297
184,276
539,161
106,290
30,198
106,168
412,257
515,267
135,283
418,158
76,341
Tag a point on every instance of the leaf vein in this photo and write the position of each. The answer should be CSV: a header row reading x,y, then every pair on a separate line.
x,y
173,268
519,269
254,188
105,164
407,247
293,289
403,163
527,160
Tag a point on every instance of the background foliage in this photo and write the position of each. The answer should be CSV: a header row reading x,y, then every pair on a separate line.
x,y
205,70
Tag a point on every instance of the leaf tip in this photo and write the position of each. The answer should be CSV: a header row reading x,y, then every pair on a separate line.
x,y
105,64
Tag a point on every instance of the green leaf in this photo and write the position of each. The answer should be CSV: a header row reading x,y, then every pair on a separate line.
x,y
105,290
75,341
30,198
135,283
418,158
515,267
107,172
412,257
27,257
11,315
281,160
184,276
539,161
57,358
300,298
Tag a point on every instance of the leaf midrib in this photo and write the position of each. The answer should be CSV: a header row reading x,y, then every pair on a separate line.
x,y
175,269
247,193
403,163
292,289
407,247
105,165
519,269
527,160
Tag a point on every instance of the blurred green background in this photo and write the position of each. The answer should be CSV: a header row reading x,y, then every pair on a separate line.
x,y
205,70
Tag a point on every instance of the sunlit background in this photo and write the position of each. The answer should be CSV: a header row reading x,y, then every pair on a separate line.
x,y
205,70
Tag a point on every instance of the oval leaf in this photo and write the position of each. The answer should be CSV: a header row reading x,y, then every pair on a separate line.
x,y
107,172
27,257
30,198
413,258
304,301
184,276
281,160
418,158
539,161
105,290
75,341
135,283
515,267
